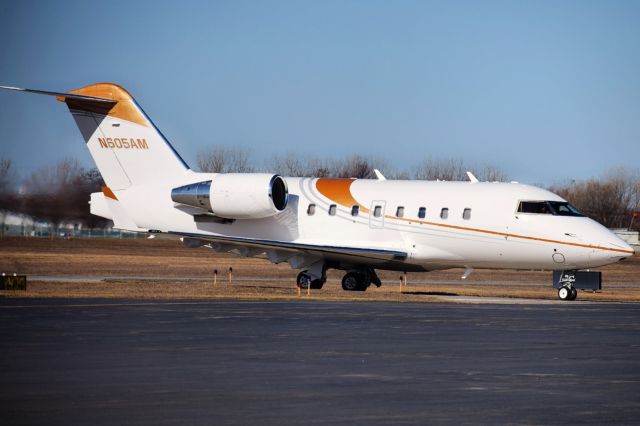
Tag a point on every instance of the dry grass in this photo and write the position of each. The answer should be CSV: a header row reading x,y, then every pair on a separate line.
x,y
164,269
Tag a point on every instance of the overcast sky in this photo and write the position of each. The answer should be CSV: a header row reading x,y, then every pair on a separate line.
x,y
546,90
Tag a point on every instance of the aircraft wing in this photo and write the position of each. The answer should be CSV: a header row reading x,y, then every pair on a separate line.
x,y
281,251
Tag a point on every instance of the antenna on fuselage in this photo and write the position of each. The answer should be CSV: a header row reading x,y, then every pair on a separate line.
x,y
379,175
472,177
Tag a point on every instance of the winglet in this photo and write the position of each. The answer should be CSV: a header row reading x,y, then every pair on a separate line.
x,y
472,177
379,175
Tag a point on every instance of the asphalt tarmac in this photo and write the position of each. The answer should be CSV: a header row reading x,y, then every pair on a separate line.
x,y
302,362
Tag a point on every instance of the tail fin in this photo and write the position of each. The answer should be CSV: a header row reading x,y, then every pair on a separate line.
x,y
126,146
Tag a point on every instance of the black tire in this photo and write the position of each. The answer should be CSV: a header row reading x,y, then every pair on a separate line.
x,y
574,293
303,279
317,284
353,281
564,293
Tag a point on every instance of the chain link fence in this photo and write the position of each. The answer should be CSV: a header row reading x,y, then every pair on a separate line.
x,y
40,230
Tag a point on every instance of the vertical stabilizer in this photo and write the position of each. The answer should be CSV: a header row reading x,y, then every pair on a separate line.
x,y
126,146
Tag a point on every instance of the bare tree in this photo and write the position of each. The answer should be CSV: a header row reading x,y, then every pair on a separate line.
x,y
60,193
317,167
43,195
357,166
294,165
7,175
7,181
288,165
610,200
7,191
454,169
489,173
431,169
224,160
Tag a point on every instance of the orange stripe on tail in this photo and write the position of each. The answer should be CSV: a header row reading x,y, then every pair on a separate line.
x,y
109,193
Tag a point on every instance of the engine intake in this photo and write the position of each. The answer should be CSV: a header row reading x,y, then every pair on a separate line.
x,y
236,195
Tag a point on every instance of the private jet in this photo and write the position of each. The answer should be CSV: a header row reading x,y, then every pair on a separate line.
x,y
315,224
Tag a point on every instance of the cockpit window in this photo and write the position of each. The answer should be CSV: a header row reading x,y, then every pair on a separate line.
x,y
556,208
538,207
562,208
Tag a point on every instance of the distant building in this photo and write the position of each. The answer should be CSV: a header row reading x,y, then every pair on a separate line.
x,y
631,237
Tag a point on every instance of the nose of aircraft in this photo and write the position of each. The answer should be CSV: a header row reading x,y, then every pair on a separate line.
x,y
615,248
631,251
625,249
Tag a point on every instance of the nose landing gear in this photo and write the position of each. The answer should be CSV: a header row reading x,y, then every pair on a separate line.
x,y
567,293
568,283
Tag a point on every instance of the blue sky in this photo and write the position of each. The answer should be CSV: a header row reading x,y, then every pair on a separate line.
x,y
546,90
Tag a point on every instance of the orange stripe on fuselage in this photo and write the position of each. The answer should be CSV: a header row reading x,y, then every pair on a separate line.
x,y
339,191
507,235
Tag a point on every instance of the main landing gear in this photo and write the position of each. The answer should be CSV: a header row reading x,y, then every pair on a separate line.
x,y
305,280
360,280
355,280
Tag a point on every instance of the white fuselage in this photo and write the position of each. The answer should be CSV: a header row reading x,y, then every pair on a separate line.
x,y
400,225
492,234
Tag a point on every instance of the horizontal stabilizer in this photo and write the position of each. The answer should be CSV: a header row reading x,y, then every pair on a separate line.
x,y
63,96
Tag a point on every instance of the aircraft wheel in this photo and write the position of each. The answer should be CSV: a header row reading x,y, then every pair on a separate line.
x,y
574,293
353,281
564,293
303,280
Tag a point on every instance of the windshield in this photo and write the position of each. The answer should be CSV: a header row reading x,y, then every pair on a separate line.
x,y
555,208
562,208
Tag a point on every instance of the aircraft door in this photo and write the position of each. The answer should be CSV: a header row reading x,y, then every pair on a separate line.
x,y
376,214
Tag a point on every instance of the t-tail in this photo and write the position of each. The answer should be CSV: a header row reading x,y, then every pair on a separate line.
x,y
126,146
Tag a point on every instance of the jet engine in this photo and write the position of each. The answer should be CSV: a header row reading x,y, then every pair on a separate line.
x,y
236,195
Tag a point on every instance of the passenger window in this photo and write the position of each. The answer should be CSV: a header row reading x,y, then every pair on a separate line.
x,y
422,212
444,213
400,211
377,211
311,210
332,210
466,214
355,210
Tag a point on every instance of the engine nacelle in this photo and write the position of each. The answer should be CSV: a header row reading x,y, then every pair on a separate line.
x,y
236,195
